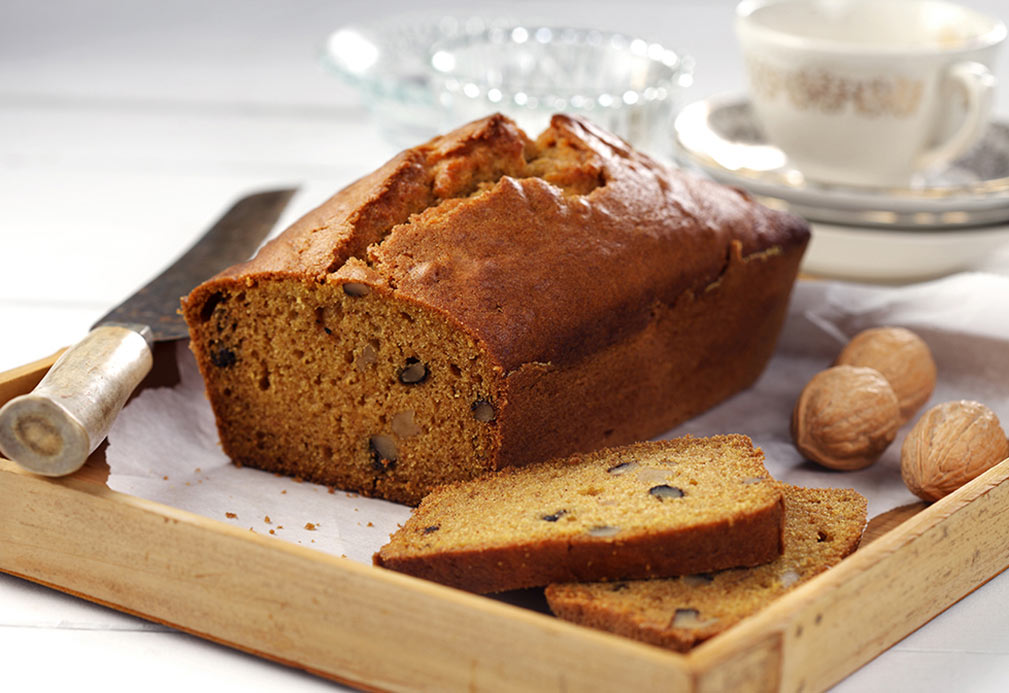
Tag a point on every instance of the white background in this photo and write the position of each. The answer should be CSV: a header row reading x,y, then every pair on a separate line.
x,y
125,127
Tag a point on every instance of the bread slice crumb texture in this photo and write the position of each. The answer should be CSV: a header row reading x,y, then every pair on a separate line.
x,y
822,526
648,509
416,387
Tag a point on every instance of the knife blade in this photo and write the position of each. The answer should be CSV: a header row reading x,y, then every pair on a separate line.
x,y
53,429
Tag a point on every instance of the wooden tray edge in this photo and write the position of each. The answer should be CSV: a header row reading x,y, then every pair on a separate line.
x,y
23,378
843,618
47,521
330,616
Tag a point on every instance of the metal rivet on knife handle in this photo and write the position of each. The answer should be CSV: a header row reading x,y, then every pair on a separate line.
x,y
54,428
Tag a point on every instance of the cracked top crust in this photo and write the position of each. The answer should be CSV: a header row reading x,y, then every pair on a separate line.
x,y
545,251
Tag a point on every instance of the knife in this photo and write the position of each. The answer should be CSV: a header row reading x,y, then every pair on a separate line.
x,y
53,429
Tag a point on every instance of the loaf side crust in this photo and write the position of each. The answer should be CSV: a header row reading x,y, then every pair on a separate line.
x,y
537,273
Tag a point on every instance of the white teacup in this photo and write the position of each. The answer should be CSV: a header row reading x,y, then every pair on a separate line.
x,y
869,92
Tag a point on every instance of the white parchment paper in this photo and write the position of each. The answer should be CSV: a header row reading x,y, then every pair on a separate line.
x,y
164,446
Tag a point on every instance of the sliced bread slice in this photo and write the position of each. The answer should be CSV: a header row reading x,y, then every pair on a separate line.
x,y
653,509
822,526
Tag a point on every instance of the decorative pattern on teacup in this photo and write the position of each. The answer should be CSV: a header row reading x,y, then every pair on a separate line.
x,y
806,89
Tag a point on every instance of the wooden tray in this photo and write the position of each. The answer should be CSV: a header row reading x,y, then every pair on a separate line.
x,y
380,630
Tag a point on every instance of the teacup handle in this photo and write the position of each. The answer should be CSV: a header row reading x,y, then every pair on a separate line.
x,y
979,90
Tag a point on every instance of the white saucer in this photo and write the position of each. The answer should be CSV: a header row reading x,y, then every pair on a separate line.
x,y
719,136
898,256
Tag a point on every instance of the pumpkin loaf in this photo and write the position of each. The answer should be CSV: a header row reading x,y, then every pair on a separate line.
x,y
487,300
647,510
822,526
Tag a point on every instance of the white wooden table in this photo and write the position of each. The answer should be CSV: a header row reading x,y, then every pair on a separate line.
x,y
125,127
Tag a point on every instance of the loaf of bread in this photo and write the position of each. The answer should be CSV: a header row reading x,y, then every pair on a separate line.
x,y
822,526
485,300
647,510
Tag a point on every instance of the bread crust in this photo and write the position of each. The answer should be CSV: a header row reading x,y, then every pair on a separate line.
x,y
611,296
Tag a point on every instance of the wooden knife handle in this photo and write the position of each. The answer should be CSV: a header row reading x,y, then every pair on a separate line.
x,y
54,428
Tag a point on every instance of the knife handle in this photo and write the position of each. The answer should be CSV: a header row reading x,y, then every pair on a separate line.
x,y
53,429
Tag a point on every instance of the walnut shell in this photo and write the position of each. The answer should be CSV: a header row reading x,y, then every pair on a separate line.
x,y
951,444
902,357
845,417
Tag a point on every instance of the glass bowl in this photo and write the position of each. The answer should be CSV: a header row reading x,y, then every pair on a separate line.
x,y
420,76
626,85
389,63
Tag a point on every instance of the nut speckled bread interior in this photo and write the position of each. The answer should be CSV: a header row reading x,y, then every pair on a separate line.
x,y
822,526
652,509
486,300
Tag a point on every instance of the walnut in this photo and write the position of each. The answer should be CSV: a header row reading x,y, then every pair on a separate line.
x,y
483,411
383,452
356,289
951,444
664,491
414,372
902,357
404,424
845,417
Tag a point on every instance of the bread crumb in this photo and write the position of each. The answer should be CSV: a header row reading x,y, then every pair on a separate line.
x,y
165,477
273,531
230,516
267,520
310,526
371,524
329,490
283,490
